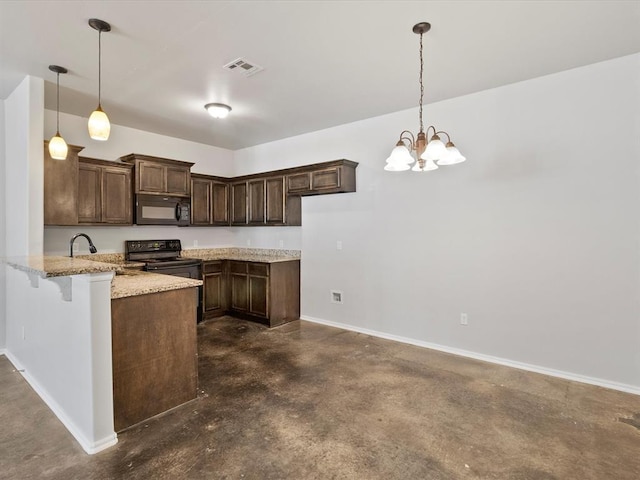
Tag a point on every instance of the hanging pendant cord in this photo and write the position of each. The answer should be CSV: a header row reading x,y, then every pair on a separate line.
x,y
58,105
421,85
99,68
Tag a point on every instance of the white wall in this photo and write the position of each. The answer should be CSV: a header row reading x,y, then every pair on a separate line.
x,y
3,231
535,237
24,168
123,141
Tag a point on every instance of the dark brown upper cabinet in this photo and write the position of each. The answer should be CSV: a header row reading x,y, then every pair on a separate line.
x,y
238,206
338,176
104,192
160,176
61,187
209,200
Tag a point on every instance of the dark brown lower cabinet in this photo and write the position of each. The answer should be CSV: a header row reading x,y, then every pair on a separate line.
x,y
215,297
265,292
155,364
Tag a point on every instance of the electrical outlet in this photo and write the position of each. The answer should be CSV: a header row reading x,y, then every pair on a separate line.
x,y
248,242
195,243
24,335
339,245
464,319
281,243
337,297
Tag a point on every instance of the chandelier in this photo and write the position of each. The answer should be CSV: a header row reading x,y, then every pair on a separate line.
x,y
428,152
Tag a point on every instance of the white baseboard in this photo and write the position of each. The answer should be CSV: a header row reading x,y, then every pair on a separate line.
x,y
89,446
3,351
487,358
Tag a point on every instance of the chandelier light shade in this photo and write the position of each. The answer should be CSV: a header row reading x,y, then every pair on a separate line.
x,y
57,146
431,153
218,110
99,126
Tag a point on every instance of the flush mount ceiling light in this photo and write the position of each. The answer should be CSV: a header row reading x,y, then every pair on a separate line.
x,y
218,110
427,152
57,146
99,126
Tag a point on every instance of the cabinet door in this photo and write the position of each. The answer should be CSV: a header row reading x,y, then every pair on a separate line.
x,y
325,179
239,203
299,183
256,202
220,198
275,199
116,196
200,201
89,193
61,188
150,177
178,181
258,289
213,292
239,292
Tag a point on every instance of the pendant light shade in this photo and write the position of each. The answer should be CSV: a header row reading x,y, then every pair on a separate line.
x,y
99,126
427,152
57,146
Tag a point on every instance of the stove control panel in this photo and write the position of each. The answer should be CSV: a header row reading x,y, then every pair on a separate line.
x,y
150,246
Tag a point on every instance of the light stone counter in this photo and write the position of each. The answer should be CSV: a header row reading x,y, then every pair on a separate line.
x,y
115,258
53,266
136,282
260,255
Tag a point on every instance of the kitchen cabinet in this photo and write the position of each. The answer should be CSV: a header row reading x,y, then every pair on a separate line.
x,y
154,354
160,176
262,201
238,207
61,187
209,201
215,292
329,177
265,292
104,192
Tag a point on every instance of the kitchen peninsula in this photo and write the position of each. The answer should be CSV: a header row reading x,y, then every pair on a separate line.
x,y
61,339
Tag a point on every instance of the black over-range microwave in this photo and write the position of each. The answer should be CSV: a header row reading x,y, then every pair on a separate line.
x,y
162,210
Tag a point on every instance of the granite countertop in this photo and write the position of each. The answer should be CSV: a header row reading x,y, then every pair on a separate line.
x,y
136,282
115,258
260,255
53,266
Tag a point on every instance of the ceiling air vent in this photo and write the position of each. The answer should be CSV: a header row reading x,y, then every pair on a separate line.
x,y
245,67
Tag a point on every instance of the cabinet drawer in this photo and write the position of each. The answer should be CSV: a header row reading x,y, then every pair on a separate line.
x,y
212,267
238,267
259,269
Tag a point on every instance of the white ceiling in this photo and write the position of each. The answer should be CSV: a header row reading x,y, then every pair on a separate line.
x,y
325,63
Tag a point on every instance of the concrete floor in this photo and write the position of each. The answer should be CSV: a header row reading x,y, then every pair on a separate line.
x,y
306,401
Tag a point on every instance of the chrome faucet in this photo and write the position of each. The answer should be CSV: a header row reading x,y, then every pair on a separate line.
x,y
92,247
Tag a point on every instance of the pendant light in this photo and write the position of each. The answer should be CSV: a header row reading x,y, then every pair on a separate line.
x,y
57,146
99,126
428,152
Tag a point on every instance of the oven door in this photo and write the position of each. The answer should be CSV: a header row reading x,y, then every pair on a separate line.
x,y
161,210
